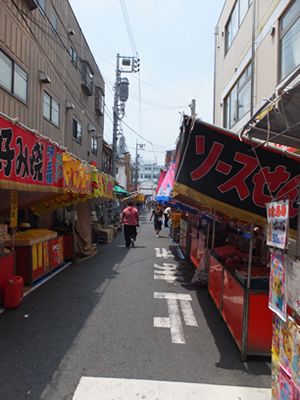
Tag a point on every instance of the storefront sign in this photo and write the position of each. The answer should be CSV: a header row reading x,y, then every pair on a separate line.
x,y
28,162
278,217
216,169
13,209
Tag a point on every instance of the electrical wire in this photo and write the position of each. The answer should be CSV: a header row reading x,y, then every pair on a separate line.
x,y
128,26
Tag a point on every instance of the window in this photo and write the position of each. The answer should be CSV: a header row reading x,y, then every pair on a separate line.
x,y
54,22
42,6
94,145
12,77
87,78
290,40
235,20
51,109
76,131
238,101
99,100
73,56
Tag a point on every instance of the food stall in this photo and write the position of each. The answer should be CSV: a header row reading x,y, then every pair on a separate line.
x,y
214,169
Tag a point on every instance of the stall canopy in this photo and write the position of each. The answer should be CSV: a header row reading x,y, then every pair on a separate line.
x,y
161,178
43,173
136,197
216,169
120,192
164,194
278,120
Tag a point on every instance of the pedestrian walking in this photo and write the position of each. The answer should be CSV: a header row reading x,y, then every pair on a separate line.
x,y
157,214
167,216
130,217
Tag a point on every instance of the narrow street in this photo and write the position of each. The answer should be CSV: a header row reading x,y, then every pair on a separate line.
x,y
125,324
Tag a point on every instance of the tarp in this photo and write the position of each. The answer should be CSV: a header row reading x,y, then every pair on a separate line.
x,y
121,192
217,170
165,192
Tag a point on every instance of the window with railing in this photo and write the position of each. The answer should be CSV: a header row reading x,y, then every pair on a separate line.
x,y
42,6
50,109
73,55
13,78
87,78
238,101
99,100
76,131
290,40
235,20
94,145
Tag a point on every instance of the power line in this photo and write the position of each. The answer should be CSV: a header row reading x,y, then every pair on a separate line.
x,y
128,26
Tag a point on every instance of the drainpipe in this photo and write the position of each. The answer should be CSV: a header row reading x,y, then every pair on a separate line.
x,y
253,58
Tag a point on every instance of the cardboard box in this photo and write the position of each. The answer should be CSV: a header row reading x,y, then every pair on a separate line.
x,y
3,229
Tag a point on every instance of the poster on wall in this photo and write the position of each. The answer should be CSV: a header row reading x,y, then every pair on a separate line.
x,y
277,231
277,292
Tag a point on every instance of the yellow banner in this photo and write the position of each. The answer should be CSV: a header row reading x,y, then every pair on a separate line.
x,y
77,175
14,208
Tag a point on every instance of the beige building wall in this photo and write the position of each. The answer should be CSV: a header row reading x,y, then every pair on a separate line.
x,y
230,65
28,38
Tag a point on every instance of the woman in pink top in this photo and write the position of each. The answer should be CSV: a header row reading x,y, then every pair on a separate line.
x,y
130,217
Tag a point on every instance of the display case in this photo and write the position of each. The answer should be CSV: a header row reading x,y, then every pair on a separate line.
x,y
37,253
7,264
243,306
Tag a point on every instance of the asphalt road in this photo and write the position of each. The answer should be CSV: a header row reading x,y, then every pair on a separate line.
x,y
127,314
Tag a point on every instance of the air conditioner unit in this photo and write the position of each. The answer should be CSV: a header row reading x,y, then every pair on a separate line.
x,y
32,4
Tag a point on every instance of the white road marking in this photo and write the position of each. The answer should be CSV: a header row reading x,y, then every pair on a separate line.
x,y
92,388
173,322
188,314
166,266
163,253
162,322
165,273
172,296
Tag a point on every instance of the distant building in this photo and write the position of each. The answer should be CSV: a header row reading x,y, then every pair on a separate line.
x,y
148,188
149,172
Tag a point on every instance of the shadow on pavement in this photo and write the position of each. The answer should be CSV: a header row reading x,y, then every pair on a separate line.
x,y
35,337
229,353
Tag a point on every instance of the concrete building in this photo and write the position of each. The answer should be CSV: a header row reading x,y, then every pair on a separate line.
x,y
49,79
257,58
149,172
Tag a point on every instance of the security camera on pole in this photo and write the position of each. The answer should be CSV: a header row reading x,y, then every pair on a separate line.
x,y
124,65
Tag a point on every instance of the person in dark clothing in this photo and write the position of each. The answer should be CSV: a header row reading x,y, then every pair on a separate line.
x,y
130,217
157,214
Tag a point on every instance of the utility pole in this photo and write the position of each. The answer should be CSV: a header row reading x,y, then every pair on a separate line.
x,y
116,118
141,146
124,65
193,107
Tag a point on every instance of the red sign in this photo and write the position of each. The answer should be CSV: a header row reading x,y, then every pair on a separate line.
x,y
28,159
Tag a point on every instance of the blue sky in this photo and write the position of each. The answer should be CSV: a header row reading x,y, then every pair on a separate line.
x,y
174,40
